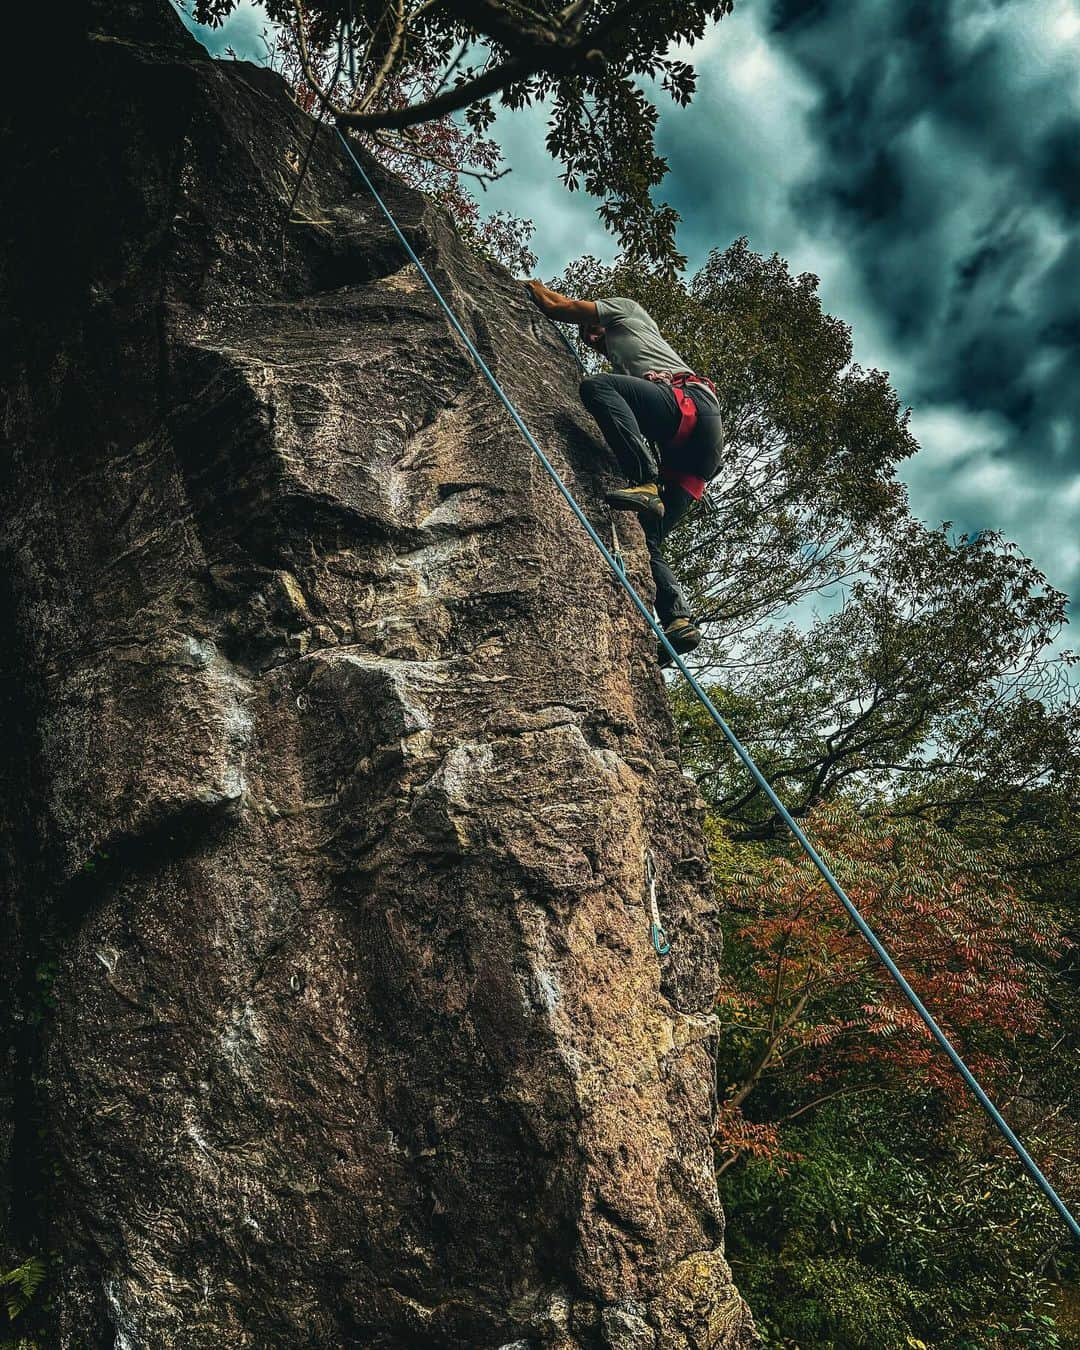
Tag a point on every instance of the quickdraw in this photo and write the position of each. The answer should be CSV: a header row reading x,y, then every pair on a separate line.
x,y
616,551
656,929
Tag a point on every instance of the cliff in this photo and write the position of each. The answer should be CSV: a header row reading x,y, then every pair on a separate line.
x,y
333,760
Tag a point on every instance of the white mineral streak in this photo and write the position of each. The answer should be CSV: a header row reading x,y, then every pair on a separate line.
x,y
231,695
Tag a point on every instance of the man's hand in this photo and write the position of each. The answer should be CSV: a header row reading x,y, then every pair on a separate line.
x,y
561,307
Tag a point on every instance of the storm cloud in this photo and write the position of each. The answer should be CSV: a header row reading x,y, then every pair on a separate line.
x,y
949,165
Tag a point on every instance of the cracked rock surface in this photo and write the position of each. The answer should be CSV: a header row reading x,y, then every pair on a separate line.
x,y
334,759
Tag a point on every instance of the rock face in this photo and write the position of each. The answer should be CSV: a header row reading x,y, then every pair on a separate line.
x,y
334,758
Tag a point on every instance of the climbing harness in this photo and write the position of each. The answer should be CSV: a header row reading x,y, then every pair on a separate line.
x,y
688,412
687,416
763,783
656,928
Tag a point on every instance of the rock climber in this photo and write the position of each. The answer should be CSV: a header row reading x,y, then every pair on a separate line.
x,y
654,397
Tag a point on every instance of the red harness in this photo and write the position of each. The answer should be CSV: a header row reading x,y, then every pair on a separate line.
x,y
687,406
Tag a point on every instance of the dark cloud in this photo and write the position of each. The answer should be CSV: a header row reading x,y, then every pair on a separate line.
x,y
1057,164
951,159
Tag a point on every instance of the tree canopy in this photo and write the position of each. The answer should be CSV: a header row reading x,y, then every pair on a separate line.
x,y
933,682
400,66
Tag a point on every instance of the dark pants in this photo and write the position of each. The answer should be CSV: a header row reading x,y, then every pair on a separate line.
x,y
631,413
670,598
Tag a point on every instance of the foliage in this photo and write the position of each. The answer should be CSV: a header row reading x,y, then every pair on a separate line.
x,y
415,64
870,1201
889,1232
499,237
812,440
811,1014
21,1284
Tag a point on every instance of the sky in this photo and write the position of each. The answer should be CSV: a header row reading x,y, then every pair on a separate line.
x,y
923,159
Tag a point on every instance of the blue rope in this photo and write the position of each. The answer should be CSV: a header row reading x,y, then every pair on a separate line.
x,y
785,815
565,340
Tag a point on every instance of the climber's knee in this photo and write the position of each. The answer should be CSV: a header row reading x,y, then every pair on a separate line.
x,y
590,389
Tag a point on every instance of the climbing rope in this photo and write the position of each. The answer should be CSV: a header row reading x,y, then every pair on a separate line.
x,y
785,815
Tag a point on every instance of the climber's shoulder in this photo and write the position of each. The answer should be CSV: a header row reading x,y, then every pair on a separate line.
x,y
615,309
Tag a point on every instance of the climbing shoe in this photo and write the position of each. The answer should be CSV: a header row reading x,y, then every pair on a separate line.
x,y
645,499
683,634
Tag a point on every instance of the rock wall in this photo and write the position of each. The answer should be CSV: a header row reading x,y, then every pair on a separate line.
x,y
334,757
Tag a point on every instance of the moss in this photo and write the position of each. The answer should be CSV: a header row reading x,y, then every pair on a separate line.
x,y
700,1305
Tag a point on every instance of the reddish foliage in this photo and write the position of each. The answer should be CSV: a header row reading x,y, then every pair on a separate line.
x,y
814,1008
742,1138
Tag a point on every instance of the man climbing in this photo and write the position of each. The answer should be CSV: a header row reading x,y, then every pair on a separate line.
x,y
654,396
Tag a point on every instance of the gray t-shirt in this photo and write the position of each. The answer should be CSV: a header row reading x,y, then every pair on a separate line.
x,y
632,341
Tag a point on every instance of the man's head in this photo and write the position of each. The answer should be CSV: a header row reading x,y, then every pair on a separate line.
x,y
592,334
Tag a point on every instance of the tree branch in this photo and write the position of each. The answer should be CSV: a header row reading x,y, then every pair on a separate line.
x,y
499,22
556,51
389,60
453,100
305,62
828,1097
398,149
764,1059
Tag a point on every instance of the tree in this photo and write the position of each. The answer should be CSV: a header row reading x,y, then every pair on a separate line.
x,y
934,684
587,57
805,1000
888,1231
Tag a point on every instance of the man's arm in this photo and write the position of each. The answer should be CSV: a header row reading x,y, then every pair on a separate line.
x,y
561,307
